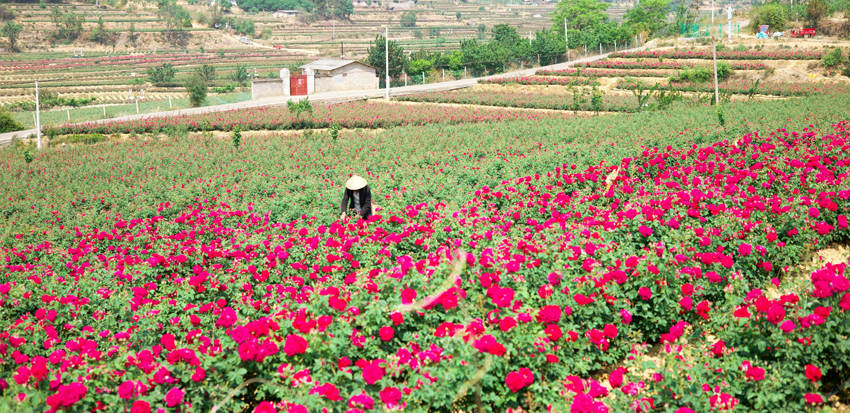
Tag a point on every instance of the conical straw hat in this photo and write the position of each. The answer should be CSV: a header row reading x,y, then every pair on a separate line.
x,y
355,182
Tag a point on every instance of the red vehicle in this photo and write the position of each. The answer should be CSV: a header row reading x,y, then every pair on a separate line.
x,y
277,46
807,32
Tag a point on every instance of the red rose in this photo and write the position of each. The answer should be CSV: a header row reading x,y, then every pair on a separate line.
x,y
516,380
813,398
265,407
386,333
140,406
755,373
549,314
390,396
174,397
373,372
813,373
294,344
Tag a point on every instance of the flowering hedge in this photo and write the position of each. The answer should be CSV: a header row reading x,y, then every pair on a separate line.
x,y
513,298
347,115
778,54
522,99
657,64
744,86
542,80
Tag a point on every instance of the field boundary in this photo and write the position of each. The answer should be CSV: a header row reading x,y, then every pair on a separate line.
x,y
329,97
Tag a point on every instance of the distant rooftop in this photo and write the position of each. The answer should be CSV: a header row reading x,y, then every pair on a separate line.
x,y
328,64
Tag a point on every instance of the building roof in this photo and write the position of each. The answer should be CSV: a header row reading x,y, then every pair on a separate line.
x,y
330,64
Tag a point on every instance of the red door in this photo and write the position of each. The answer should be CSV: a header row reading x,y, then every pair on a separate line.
x,y
297,85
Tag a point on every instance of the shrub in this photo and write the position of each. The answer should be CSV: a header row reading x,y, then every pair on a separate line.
x,y
163,73
772,15
697,74
408,19
724,70
197,89
832,59
236,138
79,138
7,123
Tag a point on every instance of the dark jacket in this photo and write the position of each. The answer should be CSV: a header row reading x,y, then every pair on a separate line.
x,y
364,196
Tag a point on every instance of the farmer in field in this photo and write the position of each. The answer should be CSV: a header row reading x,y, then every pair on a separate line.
x,y
357,197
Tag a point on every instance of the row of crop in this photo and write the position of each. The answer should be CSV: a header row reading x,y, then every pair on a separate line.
x,y
542,81
743,86
345,115
135,60
516,297
590,72
631,64
530,100
778,54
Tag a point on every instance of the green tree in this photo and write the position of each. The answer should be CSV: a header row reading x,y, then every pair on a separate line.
x,y
398,61
342,9
815,11
580,14
458,16
240,75
206,72
7,123
418,66
686,13
197,88
408,19
549,45
99,34
772,14
648,16
69,26
161,74
11,30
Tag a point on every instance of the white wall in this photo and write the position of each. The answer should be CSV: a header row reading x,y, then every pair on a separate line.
x,y
351,77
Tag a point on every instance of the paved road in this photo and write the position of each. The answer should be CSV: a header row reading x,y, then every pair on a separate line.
x,y
343,96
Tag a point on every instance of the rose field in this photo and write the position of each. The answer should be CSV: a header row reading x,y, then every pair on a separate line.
x,y
656,261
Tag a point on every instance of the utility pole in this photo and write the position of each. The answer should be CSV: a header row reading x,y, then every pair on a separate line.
x,y
566,39
387,60
37,119
712,11
716,94
729,19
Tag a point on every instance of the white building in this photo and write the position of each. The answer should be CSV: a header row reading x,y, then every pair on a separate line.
x,y
327,75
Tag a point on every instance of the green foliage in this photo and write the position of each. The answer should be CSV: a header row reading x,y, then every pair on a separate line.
x,y
334,129
206,72
303,105
230,87
408,19
596,101
419,66
7,123
197,88
79,138
832,59
697,74
240,74
266,33
458,16
11,31
28,155
815,11
7,14
376,56
69,26
243,26
255,6
772,14
161,74
721,117
648,16
686,13
236,137
99,34
339,9
724,70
